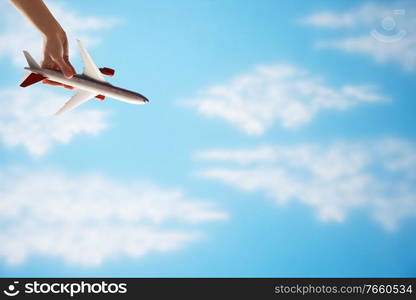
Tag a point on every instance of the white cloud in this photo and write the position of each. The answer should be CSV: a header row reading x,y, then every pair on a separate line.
x,y
383,31
261,154
334,180
17,34
254,101
87,220
27,120
330,20
366,14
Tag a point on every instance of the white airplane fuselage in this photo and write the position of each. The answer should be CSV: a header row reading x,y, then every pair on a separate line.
x,y
82,82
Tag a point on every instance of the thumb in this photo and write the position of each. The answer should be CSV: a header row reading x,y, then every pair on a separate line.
x,y
66,68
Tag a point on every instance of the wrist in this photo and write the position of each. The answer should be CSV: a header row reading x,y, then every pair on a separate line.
x,y
52,30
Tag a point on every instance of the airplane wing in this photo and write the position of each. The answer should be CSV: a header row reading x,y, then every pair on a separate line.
x,y
79,98
90,68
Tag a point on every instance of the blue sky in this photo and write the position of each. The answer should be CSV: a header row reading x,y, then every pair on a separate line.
x,y
279,141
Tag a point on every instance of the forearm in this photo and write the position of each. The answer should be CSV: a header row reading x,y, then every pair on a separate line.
x,y
37,12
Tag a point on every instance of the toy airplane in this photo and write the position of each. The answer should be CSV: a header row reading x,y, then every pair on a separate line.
x,y
91,83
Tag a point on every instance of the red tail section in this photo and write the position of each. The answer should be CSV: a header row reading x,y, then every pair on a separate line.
x,y
100,97
107,71
31,79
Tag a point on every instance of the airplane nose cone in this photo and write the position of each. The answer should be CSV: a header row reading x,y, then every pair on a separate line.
x,y
144,99
141,99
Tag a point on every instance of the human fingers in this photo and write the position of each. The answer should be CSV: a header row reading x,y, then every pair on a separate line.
x,y
54,83
51,82
68,87
65,66
66,55
50,64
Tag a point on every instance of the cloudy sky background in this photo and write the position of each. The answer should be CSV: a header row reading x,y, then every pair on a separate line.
x,y
279,141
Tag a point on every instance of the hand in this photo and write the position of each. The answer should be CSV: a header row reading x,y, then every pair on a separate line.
x,y
55,43
55,56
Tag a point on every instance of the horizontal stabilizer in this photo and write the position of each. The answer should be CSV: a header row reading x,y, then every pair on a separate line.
x,y
31,79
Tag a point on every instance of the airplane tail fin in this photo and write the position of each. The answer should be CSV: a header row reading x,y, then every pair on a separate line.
x,y
31,61
31,78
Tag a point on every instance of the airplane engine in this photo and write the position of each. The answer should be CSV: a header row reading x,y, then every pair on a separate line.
x,y
107,71
100,97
